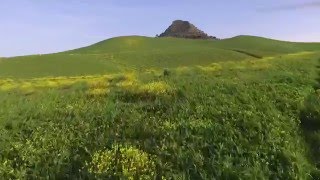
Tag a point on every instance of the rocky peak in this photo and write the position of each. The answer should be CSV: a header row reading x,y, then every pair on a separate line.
x,y
184,29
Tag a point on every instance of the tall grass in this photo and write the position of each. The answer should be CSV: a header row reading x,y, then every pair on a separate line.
x,y
310,121
228,121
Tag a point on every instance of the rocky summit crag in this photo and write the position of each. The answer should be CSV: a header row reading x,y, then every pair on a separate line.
x,y
184,29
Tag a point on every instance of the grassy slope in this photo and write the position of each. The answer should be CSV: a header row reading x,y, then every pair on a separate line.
x,y
265,47
229,120
249,119
140,53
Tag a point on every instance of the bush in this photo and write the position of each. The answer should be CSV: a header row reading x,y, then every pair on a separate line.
x,y
122,162
166,72
310,114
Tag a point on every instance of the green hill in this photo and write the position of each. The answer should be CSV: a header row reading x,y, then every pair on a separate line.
x,y
141,53
163,108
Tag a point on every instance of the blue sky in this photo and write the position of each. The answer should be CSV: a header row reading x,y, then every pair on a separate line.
x,y
35,27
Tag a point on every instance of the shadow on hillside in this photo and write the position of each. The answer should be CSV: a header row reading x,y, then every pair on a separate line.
x,y
310,124
248,53
317,86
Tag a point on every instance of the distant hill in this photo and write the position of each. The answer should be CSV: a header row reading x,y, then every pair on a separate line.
x,y
141,53
184,29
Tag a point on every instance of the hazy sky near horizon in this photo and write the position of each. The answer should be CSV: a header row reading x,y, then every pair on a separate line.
x,y
37,27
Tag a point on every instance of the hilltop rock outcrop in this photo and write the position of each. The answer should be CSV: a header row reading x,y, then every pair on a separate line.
x,y
184,29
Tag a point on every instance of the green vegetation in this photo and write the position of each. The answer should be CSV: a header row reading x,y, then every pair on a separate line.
x,y
140,53
230,118
310,122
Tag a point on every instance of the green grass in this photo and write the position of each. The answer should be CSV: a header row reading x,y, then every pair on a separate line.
x,y
149,108
229,120
140,53
265,47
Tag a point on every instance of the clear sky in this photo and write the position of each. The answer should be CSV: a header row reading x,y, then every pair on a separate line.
x,y
45,26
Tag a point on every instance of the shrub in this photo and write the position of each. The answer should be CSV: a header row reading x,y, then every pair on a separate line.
x,y
310,114
166,72
122,161
157,88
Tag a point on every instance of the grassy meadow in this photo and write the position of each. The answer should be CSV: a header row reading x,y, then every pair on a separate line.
x,y
143,108
137,53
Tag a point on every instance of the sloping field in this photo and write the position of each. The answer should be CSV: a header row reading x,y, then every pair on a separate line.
x,y
124,54
249,119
